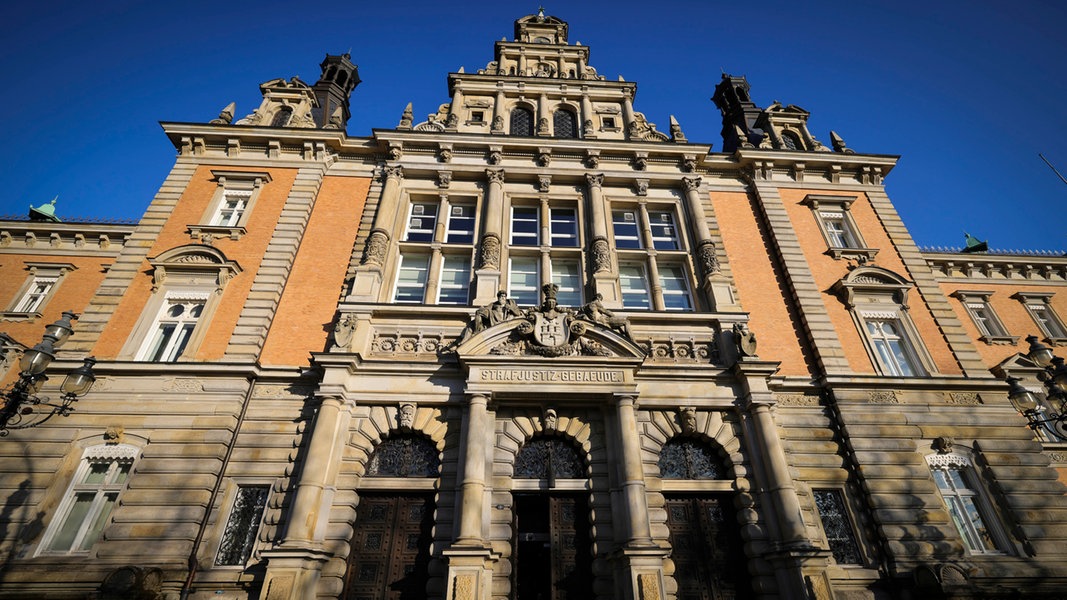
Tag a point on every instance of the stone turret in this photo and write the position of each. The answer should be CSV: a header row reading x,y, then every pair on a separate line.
x,y
334,87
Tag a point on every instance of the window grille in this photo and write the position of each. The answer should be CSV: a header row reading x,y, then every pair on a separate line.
x,y
239,536
689,459
404,456
835,523
522,122
565,124
549,458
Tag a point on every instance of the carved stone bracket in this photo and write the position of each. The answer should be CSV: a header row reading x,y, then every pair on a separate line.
x,y
495,175
543,183
641,187
691,184
594,179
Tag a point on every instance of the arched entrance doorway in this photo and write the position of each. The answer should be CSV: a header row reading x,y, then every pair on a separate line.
x,y
709,558
390,549
552,547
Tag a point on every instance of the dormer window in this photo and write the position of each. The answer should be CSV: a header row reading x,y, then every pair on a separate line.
x,y
477,116
791,141
281,117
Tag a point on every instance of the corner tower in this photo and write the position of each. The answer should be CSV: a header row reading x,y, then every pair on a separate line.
x,y
333,89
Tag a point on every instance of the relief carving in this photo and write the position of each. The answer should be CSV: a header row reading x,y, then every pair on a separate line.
x,y
374,253
883,397
709,262
405,415
343,331
691,184
495,176
594,180
490,252
601,255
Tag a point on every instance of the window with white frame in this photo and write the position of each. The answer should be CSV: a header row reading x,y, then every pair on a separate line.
x,y
38,287
454,284
878,301
1039,305
838,232
173,326
673,282
524,280
566,273
34,296
525,226
93,494
564,227
967,504
242,526
232,203
990,328
634,285
411,277
664,232
834,217
626,229
891,345
460,228
421,222
232,208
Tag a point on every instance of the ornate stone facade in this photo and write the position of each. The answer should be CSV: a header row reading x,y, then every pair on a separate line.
x,y
512,351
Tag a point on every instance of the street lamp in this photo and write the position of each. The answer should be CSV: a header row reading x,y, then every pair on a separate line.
x,y
1054,375
21,399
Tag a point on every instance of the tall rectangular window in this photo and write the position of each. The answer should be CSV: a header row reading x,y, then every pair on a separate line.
x,y
232,207
970,511
625,225
524,226
567,275
675,289
421,222
85,509
173,327
239,536
894,351
664,233
634,286
455,280
835,523
838,230
1046,320
411,277
460,229
524,281
564,227
35,294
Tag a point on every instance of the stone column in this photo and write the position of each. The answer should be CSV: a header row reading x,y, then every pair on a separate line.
x,y
470,559
588,127
455,108
543,117
716,286
294,566
487,275
497,126
628,109
604,275
793,554
639,558
368,278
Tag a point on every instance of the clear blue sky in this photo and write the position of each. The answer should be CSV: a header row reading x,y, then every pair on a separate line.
x,y
968,93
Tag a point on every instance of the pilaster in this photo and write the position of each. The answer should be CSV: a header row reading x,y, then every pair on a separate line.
x,y
368,280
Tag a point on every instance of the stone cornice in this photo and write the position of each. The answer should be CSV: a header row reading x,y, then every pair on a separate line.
x,y
996,268
61,239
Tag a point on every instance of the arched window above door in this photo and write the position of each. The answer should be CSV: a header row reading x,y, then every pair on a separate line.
x,y
688,458
549,458
405,455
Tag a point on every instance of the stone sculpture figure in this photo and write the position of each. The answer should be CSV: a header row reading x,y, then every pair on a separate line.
x,y
596,312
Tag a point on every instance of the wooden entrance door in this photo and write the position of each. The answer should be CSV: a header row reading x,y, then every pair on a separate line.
x,y
553,554
391,547
709,559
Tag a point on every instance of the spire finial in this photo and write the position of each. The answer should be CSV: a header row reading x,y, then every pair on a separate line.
x,y
540,12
